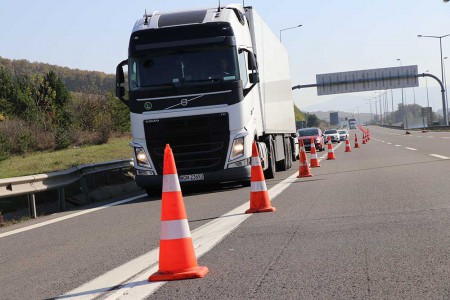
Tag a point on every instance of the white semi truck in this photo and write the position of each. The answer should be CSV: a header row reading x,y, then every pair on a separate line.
x,y
208,82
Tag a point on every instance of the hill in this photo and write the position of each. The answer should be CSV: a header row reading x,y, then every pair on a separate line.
x,y
75,80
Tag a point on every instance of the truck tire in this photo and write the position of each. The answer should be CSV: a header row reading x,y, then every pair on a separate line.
x,y
269,173
282,165
289,154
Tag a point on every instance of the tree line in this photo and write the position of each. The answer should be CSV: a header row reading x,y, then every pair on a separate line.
x,y
44,107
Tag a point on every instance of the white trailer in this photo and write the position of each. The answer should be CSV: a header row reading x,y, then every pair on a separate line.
x,y
208,82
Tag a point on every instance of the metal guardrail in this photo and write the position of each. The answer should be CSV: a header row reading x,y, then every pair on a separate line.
x,y
29,185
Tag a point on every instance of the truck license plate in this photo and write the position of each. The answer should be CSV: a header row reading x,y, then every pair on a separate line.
x,y
192,177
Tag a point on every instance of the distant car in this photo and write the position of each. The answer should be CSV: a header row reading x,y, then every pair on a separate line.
x,y
305,134
343,134
333,133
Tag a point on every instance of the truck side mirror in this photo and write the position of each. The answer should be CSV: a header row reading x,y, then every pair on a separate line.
x,y
253,77
252,66
251,61
120,82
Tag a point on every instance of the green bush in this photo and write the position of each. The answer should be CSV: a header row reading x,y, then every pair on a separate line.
x,y
5,147
62,138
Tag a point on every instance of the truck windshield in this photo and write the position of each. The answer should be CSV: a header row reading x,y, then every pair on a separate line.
x,y
168,68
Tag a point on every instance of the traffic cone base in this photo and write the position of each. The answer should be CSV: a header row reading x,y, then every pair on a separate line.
x,y
198,272
177,258
259,197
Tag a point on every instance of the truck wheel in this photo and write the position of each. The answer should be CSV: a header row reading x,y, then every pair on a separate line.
x,y
283,164
269,173
289,154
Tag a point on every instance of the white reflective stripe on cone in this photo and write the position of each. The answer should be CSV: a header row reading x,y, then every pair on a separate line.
x,y
314,156
171,183
175,229
258,186
256,161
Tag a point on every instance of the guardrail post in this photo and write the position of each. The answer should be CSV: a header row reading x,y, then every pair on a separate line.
x,y
107,181
85,189
62,199
32,205
122,177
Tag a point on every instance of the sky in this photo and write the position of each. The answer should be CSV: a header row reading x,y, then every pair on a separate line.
x,y
335,36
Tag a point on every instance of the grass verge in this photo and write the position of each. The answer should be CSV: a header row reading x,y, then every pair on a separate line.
x,y
45,162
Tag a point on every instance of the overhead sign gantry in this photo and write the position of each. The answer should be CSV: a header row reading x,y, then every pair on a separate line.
x,y
371,80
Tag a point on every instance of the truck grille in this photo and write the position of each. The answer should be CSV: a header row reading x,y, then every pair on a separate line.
x,y
199,143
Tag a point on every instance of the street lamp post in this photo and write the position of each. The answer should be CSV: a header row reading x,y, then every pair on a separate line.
x,y
288,29
426,84
445,84
370,101
444,105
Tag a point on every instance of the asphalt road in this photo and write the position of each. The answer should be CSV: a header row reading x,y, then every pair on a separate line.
x,y
372,224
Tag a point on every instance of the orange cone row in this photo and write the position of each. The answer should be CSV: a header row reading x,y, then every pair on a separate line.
x,y
177,259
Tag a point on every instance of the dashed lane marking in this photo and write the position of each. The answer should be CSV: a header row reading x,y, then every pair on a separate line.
x,y
413,149
440,156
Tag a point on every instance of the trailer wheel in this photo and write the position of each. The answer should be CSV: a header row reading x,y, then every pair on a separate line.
x,y
283,165
269,173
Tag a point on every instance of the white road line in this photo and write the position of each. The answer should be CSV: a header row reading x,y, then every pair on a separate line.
x,y
87,211
389,143
419,136
445,137
398,145
440,156
411,149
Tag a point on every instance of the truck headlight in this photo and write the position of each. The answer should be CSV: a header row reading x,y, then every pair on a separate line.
x,y
141,157
237,149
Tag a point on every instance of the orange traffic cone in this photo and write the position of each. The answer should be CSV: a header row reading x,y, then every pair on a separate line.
x,y
177,258
259,197
304,170
330,150
314,161
364,138
356,141
347,146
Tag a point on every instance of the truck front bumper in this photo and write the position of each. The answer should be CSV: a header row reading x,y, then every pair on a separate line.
x,y
226,175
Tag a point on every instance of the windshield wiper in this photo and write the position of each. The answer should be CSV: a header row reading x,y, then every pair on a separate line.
x,y
204,80
164,85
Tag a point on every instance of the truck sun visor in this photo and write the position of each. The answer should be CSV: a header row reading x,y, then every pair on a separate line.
x,y
183,18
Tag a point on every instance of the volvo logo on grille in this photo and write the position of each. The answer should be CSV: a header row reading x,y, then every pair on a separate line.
x,y
148,105
184,102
